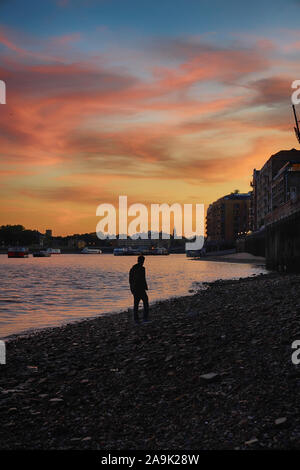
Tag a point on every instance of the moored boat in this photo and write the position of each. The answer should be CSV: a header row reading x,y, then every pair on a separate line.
x,y
41,254
17,252
53,251
160,251
129,251
126,251
120,251
91,251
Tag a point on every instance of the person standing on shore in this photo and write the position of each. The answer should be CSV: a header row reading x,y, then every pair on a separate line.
x,y
138,287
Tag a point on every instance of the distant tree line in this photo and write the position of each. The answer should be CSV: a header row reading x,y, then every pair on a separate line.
x,y
18,235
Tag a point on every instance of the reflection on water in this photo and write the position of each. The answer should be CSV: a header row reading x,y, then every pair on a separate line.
x,y
41,292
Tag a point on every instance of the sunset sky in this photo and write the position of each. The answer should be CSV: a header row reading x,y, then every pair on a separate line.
x,y
162,101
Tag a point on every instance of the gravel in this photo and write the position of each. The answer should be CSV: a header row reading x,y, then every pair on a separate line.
x,y
211,371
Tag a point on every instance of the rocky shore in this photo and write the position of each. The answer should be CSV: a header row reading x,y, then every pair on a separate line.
x,y
211,371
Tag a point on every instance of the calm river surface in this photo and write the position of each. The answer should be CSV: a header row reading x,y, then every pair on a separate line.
x,y
42,292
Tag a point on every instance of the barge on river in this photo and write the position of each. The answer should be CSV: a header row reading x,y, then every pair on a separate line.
x,y
18,252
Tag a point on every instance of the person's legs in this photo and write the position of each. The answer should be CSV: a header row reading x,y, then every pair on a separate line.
x,y
137,299
144,298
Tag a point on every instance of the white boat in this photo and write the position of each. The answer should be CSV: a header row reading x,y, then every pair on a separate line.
x,y
91,251
53,251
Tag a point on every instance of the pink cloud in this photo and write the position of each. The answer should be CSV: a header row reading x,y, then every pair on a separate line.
x,y
179,123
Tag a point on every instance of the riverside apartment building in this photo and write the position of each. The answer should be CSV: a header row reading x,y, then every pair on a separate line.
x,y
228,218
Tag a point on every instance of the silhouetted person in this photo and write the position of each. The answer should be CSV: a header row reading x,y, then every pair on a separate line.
x,y
138,287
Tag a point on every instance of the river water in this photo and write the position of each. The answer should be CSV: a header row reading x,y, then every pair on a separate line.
x,y
42,292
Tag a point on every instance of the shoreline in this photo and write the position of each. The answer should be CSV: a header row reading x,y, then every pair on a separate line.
x,y
231,260
104,383
240,258
128,312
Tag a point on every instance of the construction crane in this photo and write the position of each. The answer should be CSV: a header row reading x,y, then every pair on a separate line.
x,y
297,132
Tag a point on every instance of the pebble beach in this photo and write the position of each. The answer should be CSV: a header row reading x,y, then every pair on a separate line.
x,y
212,370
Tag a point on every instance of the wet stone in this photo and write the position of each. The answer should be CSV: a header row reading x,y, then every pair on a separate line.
x,y
210,377
280,421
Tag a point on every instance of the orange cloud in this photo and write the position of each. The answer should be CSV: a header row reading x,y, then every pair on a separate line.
x,y
189,122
